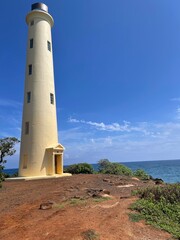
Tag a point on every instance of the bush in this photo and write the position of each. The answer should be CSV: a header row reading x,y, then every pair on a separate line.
x,y
169,193
141,174
6,149
160,207
14,175
106,167
90,235
79,168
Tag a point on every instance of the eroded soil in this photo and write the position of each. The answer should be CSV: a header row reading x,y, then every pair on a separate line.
x,y
76,209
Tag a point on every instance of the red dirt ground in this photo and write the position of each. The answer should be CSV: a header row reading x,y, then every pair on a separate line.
x,y
74,210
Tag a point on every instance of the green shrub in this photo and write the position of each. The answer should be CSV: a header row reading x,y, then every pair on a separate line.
x,y
79,168
6,149
106,167
4,175
141,174
90,234
169,193
14,175
160,207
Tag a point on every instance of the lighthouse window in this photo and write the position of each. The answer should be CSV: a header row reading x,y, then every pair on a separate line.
x,y
30,69
49,46
32,23
31,43
51,98
26,128
28,97
25,161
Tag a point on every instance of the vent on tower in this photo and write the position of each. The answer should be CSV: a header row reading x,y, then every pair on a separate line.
x,y
39,6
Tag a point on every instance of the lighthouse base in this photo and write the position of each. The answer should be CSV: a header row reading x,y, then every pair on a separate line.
x,y
39,177
44,162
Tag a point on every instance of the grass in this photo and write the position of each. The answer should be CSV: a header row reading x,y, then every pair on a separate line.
x,y
101,199
71,202
90,235
160,207
135,217
60,206
77,201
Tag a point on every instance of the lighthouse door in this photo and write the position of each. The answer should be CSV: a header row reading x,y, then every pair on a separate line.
x,y
56,171
58,164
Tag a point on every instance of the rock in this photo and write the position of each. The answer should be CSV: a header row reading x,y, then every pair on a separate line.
x,y
106,180
105,191
124,197
94,192
79,197
158,181
96,195
125,186
70,190
135,178
46,206
97,192
51,201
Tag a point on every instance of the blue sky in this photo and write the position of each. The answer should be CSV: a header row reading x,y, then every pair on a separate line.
x,y
117,76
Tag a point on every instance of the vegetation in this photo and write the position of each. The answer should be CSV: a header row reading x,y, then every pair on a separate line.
x,y
79,168
90,235
77,201
7,175
160,207
70,202
6,149
141,174
101,199
107,167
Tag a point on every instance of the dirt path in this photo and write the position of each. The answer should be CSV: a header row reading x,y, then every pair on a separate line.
x,y
74,210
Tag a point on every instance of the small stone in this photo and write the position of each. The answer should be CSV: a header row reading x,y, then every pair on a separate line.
x,y
134,178
105,191
106,180
96,195
45,206
51,202
124,197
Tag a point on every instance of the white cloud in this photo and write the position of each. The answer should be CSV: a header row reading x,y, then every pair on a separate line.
x,y
122,147
175,99
113,127
178,113
10,103
123,142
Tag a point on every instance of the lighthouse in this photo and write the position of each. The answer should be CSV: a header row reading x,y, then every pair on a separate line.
x,y
40,152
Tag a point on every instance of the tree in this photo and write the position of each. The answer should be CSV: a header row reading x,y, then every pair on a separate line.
x,y
79,168
107,167
103,164
6,149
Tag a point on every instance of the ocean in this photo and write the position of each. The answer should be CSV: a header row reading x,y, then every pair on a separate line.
x,y
168,170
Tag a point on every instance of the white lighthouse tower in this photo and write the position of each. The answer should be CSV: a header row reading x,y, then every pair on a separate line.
x,y
40,153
